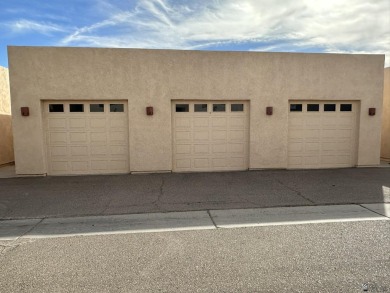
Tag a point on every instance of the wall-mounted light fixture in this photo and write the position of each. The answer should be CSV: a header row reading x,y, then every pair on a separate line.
x,y
371,111
269,110
149,111
25,111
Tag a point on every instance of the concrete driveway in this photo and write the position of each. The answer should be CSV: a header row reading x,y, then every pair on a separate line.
x,y
126,194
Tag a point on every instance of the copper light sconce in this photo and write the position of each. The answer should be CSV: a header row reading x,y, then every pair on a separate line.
x,y
269,110
149,111
371,111
25,111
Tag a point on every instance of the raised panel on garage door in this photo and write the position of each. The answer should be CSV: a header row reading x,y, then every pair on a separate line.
x,y
210,136
86,137
322,134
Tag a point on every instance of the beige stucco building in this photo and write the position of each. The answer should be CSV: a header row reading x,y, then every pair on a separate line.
x,y
6,141
385,149
95,110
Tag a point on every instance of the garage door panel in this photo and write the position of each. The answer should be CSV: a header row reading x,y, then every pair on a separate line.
x,y
98,150
97,123
117,165
236,162
77,123
236,135
182,122
58,138
88,143
219,135
219,162
219,140
219,148
321,139
56,151
237,122
183,149
201,122
79,166
79,150
236,148
201,149
296,147
183,136
59,166
312,146
118,122
183,163
200,135
203,163
218,122
57,123
117,137
78,137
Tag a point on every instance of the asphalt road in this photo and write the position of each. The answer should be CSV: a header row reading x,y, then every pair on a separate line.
x,y
127,194
331,257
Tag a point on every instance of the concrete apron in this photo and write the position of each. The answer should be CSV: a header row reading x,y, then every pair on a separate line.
x,y
198,220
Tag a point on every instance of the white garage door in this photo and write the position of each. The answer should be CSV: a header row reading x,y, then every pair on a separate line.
x,y
86,137
322,134
210,136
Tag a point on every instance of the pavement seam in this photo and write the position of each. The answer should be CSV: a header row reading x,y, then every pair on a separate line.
x,y
374,211
296,191
29,230
212,220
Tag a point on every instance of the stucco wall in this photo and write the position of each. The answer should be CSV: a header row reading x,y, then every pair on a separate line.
x,y
6,140
155,77
385,149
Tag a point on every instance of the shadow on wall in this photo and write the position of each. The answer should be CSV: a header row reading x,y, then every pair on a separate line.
x,y
385,147
6,140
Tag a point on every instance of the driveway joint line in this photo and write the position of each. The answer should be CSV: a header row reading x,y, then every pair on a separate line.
x,y
296,191
212,220
374,211
29,230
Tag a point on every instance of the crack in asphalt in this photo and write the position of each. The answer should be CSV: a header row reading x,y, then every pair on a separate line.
x,y
160,194
294,190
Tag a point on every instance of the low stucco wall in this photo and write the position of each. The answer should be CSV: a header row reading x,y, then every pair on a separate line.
x,y
156,77
385,148
6,140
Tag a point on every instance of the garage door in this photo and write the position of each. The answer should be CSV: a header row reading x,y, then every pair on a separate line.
x,y
322,134
86,137
210,136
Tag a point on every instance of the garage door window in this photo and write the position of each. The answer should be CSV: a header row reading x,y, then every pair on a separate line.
x,y
330,107
56,108
200,108
76,108
313,107
237,107
219,107
295,107
116,108
96,108
346,107
182,108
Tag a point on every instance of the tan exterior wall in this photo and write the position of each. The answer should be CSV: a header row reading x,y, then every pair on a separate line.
x,y
385,148
6,140
156,77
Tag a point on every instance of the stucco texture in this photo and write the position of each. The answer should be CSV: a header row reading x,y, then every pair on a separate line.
x,y
156,77
6,140
385,149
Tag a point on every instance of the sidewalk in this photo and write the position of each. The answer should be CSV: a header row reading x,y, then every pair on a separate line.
x,y
11,230
43,197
